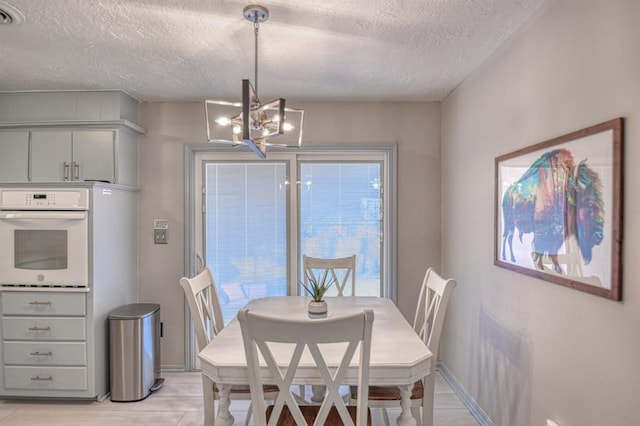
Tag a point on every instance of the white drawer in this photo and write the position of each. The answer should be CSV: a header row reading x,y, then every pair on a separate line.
x,y
43,303
45,353
25,328
45,378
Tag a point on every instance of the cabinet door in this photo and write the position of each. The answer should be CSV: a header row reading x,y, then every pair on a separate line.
x,y
50,158
93,155
14,156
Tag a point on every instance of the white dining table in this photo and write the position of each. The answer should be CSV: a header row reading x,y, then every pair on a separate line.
x,y
398,356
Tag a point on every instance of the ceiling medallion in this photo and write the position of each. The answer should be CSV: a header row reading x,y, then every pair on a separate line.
x,y
9,15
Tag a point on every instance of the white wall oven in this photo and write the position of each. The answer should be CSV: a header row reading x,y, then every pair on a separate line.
x,y
44,237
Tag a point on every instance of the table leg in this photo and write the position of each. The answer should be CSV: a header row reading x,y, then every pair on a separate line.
x,y
224,416
318,393
406,418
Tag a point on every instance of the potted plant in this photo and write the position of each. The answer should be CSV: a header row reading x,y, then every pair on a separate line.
x,y
317,288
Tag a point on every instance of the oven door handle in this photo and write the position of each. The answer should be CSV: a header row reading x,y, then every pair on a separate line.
x,y
44,215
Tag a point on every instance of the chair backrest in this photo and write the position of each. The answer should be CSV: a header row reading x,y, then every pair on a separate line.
x,y
259,331
204,304
341,270
431,310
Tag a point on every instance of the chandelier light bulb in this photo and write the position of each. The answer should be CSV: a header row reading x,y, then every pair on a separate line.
x,y
223,121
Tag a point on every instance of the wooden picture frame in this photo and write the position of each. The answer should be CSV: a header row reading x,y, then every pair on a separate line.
x,y
558,210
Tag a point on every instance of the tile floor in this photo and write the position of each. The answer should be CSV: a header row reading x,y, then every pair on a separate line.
x,y
179,403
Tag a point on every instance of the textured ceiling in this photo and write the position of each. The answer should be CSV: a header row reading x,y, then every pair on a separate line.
x,y
157,50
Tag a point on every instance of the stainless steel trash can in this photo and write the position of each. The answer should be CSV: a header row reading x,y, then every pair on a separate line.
x,y
134,349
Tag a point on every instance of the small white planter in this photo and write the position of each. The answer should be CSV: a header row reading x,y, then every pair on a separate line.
x,y
317,309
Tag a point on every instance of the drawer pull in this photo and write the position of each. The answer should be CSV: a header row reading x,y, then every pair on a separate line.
x,y
41,353
39,303
39,328
40,379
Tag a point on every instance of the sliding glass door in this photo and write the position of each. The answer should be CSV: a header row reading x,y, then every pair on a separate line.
x,y
245,225
253,220
341,215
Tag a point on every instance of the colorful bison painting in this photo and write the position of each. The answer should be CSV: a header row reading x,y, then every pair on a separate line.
x,y
558,210
555,200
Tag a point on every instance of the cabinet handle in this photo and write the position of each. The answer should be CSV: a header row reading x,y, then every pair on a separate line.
x,y
66,171
38,378
39,328
39,303
76,170
41,353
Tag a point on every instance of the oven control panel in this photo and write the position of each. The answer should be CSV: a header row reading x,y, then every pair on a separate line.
x,y
45,199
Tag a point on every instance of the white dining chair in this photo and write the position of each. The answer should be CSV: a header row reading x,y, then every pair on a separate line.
x,y
261,334
202,297
427,322
342,270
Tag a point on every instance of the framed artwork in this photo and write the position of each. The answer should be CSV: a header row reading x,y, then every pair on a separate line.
x,y
558,210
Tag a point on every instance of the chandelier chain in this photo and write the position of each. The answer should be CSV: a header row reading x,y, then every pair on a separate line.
x,y
256,27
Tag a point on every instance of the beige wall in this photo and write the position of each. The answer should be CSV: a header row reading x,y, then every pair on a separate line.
x,y
414,126
525,349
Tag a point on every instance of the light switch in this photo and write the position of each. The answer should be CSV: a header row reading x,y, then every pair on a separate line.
x,y
160,230
160,224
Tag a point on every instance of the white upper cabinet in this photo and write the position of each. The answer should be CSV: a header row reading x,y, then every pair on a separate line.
x,y
72,156
14,154
69,136
50,156
93,155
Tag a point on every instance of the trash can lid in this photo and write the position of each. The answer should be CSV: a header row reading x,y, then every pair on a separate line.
x,y
134,311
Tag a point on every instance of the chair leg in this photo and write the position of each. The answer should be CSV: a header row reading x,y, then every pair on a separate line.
x,y
207,390
427,399
385,416
249,413
302,391
415,411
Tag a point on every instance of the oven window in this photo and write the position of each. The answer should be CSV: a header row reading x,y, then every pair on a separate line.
x,y
40,249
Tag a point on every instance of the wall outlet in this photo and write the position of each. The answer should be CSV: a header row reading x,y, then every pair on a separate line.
x,y
160,236
552,423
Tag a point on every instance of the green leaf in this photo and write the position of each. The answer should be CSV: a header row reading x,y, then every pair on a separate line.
x,y
317,288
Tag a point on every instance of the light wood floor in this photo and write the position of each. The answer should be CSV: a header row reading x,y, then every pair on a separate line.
x,y
179,403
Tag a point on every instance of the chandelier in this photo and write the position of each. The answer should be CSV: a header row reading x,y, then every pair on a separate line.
x,y
251,122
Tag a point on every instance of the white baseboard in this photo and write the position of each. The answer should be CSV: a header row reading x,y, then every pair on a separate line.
x,y
173,368
464,396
